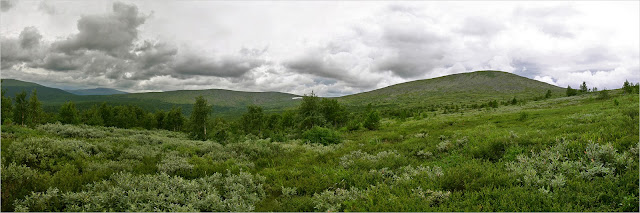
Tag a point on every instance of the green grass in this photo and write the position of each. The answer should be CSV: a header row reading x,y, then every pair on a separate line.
x,y
575,153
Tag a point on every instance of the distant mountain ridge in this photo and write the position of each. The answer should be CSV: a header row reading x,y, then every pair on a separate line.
x,y
96,91
463,88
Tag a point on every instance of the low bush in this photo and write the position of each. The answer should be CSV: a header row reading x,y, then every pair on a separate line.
x,y
129,193
321,135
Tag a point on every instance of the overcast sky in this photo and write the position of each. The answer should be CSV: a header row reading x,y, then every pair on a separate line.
x,y
333,48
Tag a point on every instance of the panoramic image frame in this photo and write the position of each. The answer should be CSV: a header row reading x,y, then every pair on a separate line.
x,y
319,106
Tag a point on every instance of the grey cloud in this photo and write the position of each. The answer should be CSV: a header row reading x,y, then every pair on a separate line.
x,y
113,33
193,65
313,64
6,5
413,50
47,8
25,49
151,55
30,37
60,62
480,26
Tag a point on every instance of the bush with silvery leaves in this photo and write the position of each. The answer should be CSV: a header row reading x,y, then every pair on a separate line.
x,y
159,192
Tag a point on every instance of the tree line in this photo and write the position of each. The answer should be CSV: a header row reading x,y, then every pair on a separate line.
x,y
322,115
627,87
21,111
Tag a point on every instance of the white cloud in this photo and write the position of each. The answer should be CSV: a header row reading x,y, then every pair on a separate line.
x,y
546,79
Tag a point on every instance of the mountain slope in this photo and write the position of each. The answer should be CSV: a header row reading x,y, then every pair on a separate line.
x,y
45,94
226,103
96,91
463,88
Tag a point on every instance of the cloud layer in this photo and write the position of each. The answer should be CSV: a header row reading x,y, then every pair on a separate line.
x,y
356,47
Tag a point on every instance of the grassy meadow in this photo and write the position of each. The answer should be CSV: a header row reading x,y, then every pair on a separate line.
x,y
577,153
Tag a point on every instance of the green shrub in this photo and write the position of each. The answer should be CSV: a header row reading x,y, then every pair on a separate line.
x,y
603,95
321,135
129,193
19,181
491,150
522,116
372,121
332,201
354,125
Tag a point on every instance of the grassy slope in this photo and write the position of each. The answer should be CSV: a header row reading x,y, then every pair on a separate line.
x,y
477,178
465,88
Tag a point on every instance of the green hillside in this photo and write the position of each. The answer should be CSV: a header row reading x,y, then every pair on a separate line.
x,y
226,103
96,91
220,97
463,88
45,94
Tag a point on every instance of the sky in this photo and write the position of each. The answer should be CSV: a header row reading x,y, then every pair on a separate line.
x,y
332,48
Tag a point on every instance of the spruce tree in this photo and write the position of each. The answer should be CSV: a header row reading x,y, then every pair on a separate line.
x,y
548,95
583,87
627,87
35,109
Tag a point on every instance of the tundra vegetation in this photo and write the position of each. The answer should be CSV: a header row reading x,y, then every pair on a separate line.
x,y
534,153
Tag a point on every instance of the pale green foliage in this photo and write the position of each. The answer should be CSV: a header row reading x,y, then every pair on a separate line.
x,y
289,191
430,196
444,146
331,200
47,152
70,131
447,145
550,168
354,157
174,162
409,172
160,192
424,154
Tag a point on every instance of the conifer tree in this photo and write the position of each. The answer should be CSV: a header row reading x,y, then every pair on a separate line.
x,y
548,95
583,87
35,109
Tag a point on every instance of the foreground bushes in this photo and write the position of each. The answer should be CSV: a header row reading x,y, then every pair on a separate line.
x,y
130,193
